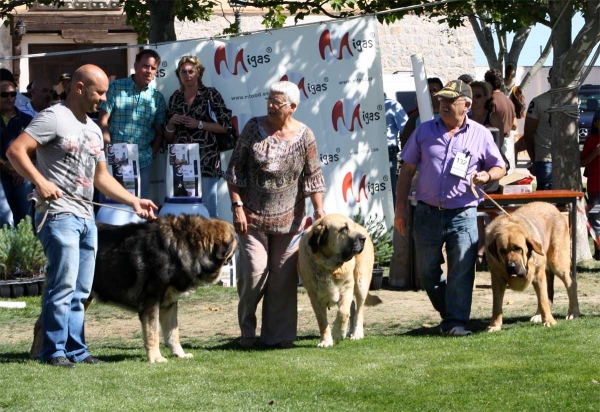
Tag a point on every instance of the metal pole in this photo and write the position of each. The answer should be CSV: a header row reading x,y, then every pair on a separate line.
x,y
238,19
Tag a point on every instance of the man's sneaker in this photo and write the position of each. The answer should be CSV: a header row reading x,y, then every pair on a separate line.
x,y
92,361
457,331
61,361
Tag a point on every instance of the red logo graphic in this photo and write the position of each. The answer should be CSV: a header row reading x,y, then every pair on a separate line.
x,y
347,185
300,84
325,41
221,57
338,113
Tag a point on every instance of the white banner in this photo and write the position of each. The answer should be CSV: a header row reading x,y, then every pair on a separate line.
x,y
337,67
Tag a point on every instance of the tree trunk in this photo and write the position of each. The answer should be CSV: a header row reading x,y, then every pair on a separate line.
x,y
162,21
569,59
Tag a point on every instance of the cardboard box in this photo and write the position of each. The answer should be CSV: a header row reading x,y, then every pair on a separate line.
x,y
516,189
515,183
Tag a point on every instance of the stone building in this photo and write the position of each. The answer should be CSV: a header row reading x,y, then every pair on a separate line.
x,y
100,24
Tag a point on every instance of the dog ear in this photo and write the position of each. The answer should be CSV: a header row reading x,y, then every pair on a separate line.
x,y
491,250
226,249
318,237
534,245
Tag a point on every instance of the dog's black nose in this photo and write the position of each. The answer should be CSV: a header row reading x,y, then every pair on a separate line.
x,y
359,243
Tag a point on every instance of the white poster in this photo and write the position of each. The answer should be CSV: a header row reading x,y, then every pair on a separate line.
x,y
183,171
337,67
123,165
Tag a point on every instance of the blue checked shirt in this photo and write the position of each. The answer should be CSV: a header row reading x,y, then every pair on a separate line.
x,y
133,115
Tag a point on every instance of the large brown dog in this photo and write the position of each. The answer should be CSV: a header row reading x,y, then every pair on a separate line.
x,y
335,262
521,249
147,267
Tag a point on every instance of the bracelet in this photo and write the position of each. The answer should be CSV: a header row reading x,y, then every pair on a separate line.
x,y
316,211
168,130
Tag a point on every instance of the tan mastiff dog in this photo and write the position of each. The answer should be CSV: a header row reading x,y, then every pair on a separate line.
x,y
335,263
521,249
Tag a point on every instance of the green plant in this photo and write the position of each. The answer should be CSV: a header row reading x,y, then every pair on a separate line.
x,y
20,250
380,235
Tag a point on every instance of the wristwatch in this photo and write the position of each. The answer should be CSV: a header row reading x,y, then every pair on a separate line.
x,y
239,203
200,125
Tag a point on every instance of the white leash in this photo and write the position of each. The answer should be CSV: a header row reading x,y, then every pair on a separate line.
x,y
41,203
473,187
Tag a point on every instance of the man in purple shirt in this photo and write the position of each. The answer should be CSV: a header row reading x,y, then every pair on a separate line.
x,y
450,152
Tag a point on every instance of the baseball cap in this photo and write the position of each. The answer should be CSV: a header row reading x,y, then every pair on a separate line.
x,y
454,89
65,76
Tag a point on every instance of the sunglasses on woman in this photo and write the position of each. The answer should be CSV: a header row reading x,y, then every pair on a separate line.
x,y
4,95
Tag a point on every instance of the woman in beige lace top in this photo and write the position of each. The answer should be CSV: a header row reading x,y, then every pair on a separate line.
x,y
273,168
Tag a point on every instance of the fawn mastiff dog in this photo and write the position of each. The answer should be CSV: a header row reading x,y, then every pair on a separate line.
x,y
521,249
148,267
335,263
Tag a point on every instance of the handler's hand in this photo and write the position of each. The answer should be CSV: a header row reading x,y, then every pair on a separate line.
x,y
145,208
239,221
48,190
400,221
481,178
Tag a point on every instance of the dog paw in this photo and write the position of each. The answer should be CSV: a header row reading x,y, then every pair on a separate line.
x,y
571,316
325,344
184,355
549,323
536,319
494,328
357,335
159,359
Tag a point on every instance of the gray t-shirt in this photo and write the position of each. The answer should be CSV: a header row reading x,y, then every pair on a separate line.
x,y
68,156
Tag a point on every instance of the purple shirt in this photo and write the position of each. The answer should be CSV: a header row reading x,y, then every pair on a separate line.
x,y
431,148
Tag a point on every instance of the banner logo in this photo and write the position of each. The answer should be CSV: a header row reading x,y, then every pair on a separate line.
x,y
338,113
347,185
325,43
221,57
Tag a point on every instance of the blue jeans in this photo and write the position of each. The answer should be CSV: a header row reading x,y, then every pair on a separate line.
x,y
457,228
14,205
209,194
393,156
70,244
543,175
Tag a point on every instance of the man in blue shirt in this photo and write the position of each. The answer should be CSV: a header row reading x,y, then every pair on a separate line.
x,y
14,205
134,112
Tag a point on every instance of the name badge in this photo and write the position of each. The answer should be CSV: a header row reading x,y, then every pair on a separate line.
x,y
461,165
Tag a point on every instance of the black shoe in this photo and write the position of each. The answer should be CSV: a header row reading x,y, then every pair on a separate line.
x,y
457,331
61,361
597,255
92,361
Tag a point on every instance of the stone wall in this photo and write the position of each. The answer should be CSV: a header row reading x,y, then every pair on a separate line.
x,y
5,47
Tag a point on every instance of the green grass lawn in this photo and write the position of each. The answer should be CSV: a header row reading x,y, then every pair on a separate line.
x,y
521,369
524,367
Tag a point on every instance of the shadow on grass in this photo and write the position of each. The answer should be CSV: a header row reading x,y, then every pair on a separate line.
x,y
233,344
475,326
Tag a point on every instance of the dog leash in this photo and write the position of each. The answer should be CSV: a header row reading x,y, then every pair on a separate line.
x,y
473,187
41,203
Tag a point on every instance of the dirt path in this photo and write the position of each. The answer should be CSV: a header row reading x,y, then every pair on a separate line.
x,y
401,311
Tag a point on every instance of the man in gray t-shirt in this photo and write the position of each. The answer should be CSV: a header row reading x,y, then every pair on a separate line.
x,y
71,161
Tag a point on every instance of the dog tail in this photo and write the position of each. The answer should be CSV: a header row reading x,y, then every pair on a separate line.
x,y
372,300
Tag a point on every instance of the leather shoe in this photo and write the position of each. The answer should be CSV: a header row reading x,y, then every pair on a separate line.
x,y
92,361
61,361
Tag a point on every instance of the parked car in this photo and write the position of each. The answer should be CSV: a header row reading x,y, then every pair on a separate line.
x,y
589,99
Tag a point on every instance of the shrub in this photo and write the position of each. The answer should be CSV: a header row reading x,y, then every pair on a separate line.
x,y
380,235
20,251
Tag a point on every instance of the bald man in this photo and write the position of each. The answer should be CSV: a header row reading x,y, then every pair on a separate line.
x,y
70,162
41,96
